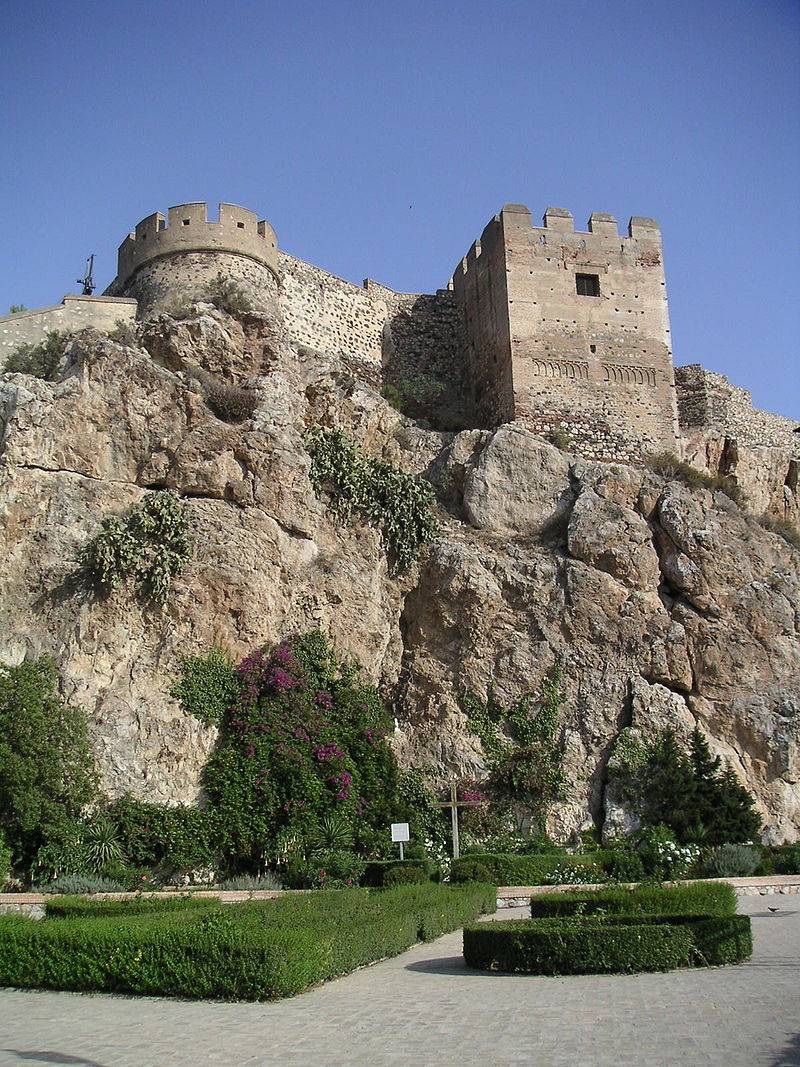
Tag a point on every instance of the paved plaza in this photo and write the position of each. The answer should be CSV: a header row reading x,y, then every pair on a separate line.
x,y
424,1007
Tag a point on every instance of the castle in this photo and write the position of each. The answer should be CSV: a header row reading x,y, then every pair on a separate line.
x,y
563,330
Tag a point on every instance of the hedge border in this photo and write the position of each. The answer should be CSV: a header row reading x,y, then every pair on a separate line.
x,y
608,945
519,869
251,951
701,898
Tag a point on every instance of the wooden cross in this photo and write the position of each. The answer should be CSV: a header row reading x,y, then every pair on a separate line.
x,y
454,804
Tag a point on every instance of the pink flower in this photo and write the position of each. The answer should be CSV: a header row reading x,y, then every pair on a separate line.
x,y
281,680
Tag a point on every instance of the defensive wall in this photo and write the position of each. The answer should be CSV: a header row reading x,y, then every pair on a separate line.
x,y
402,336
709,402
73,313
571,329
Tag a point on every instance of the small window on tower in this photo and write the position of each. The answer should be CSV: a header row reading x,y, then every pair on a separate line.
x,y
587,284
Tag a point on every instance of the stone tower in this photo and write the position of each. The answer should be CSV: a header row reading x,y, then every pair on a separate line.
x,y
180,256
568,329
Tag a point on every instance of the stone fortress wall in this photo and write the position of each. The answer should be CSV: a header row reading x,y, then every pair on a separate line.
x,y
72,314
511,330
708,402
403,336
174,258
598,362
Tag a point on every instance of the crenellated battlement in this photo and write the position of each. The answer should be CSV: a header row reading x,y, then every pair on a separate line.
x,y
643,237
187,228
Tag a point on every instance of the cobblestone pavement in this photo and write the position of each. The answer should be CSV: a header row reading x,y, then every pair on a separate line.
x,y
424,1007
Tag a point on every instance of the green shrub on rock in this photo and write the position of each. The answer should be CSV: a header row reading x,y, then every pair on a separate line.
x,y
41,360
148,547
378,493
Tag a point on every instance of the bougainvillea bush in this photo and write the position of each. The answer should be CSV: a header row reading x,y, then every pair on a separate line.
x,y
306,740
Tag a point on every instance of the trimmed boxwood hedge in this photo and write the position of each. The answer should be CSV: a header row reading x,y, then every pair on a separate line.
x,y
608,945
512,869
67,907
701,898
376,870
257,950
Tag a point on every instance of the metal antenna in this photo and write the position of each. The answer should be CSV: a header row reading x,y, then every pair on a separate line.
x,y
87,281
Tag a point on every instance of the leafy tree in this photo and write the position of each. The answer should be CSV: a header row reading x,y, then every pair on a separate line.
x,y
669,798
46,765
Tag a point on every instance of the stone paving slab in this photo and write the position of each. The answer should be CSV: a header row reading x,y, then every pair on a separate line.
x,y
425,1007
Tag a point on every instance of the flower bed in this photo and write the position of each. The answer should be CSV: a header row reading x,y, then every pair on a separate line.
x,y
251,951
607,945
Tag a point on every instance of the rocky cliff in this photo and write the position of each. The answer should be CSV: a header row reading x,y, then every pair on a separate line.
x,y
669,605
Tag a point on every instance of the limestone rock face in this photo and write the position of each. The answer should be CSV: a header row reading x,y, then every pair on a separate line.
x,y
668,606
497,499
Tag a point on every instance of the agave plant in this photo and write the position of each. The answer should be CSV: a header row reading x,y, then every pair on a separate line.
x,y
333,834
101,845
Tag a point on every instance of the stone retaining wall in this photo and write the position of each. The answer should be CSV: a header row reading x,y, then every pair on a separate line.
x,y
515,896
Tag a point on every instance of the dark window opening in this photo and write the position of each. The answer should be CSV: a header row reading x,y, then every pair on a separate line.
x,y
592,348
240,225
587,284
186,222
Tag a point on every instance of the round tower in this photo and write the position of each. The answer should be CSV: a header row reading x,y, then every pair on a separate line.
x,y
172,260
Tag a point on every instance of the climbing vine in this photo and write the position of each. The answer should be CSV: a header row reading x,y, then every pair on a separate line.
x,y
148,547
358,487
522,748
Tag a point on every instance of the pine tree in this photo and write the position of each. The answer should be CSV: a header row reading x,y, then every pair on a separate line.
x,y
668,795
736,818
706,770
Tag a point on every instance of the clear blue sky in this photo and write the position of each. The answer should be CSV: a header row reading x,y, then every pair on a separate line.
x,y
379,139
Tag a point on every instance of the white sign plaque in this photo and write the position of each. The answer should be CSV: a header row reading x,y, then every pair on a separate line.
x,y
400,831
